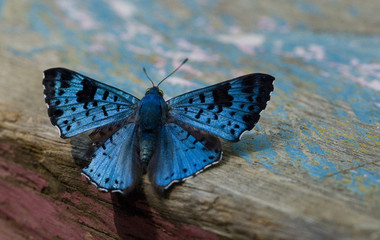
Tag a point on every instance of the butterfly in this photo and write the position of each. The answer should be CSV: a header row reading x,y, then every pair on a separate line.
x,y
171,140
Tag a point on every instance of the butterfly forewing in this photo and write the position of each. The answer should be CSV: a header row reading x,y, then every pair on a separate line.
x,y
78,103
226,109
182,153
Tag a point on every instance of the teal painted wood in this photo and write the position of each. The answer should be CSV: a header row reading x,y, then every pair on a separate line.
x,y
112,40
322,123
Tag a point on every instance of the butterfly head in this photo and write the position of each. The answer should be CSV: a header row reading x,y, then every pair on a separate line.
x,y
154,90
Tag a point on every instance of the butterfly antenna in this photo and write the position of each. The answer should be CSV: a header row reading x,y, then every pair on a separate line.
x,y
175,70
146,74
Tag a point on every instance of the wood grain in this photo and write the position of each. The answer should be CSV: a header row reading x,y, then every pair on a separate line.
x,y
308,171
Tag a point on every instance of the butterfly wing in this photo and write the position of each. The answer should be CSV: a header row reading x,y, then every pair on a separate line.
x,y
78,103
183,152
226,109
114,166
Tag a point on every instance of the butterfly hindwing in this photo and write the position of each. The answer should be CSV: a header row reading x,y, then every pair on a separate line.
x,y
182,152
114,166
78,103
226,109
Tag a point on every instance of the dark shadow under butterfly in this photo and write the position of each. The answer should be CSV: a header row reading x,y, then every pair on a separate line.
x,y
172,140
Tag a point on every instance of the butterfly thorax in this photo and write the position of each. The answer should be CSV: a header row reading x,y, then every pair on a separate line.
x,y
151,115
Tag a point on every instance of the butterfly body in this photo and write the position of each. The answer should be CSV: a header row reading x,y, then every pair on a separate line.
x,y
170,140
152,114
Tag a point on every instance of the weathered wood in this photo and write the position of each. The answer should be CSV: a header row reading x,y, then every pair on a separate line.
x,y
310,170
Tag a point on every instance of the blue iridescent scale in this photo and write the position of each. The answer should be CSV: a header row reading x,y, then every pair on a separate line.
x,y
170,140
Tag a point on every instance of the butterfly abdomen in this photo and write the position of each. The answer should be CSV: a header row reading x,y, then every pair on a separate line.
x,y
147,145
152,114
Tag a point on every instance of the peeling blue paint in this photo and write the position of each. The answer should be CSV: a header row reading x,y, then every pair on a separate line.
x,y
307,7
354,11
296,155
2,2
339,68
36,22
363,178
319,167
259,148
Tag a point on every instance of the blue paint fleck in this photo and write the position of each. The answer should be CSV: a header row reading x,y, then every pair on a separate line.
x,y
314,147
354,11
318,167
36,22
258,148
308,7
263,151
368,178
2,2
295,154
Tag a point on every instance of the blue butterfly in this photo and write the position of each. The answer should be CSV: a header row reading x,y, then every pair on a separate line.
x,y
172,140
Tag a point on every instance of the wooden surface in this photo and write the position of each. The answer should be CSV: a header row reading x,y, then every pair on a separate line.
x,y
309,170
